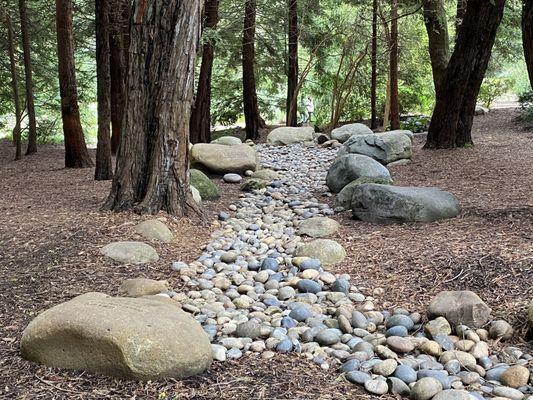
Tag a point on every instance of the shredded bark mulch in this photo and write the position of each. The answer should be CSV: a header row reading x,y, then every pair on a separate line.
x,y
51,231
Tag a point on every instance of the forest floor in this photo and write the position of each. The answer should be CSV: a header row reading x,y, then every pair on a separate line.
x,y
51,231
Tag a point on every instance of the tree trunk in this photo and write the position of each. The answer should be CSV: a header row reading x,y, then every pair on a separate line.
x,y
119,17
253,120
292,73
14,85
76,154
439,46
104,165
527,36
461,9
374,64
152,171
200,126
394,105
456,100
30,105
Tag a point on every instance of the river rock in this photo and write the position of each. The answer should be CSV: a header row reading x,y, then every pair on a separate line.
x,y
227,141
507,392
438,326
515,376
208,190
500,329
130,252
460,307
385,147
345,132
452,394
395,204
375,386
220,159
154,229
350,167
265,174
286,135
425,389
141,338
318,227
327,251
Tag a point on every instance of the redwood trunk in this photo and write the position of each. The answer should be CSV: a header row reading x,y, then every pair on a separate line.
x,y
76,154
461,10
394,105
374,64
14,85
118,42
292,75
201,113
104,166
454,110
253,120
153,160
30,104
437,30
527,36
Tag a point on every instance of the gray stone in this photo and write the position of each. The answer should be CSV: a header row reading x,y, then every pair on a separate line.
x,y
500,329
452,394
328,337
344,197
250,329
154,229
227,141
385,147
219,158
438,326
405,373
308,286
359,320
400,344
130,252
286,135
139,287
133,338
265,174
196,196
345,132
358,377
350,167
318,227
327,251
232,178
385,368
510,393
395,204
376,387
460,307
398,387
400,320
425,389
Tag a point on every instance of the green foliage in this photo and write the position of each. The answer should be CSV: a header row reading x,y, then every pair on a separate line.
x,y
526,104
416,123
492,88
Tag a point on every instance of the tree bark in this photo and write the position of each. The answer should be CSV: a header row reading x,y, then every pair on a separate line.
x,y
461,10
76,154
527,36
14,86
30,103
119,17
394,105
374,66
456,100
104,165
200,126
439,46
152,171
253,120
292,73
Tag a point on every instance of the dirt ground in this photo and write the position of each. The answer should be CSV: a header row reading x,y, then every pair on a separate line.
x,y
51,230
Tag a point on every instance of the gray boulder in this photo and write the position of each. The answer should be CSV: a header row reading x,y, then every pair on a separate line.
x,y
318,227
327,251
221,159
154,229
344,198
130,252
460,307
227,141
385,147
286,135
134,338
395,204
345,132
350,167
138,287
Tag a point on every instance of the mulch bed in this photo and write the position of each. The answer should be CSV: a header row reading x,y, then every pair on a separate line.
x,y
51,231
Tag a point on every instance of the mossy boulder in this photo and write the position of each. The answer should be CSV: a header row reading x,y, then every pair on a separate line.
x,y
344,198
208,190
253,184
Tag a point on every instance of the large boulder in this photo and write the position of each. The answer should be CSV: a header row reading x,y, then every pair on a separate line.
x,y
384,147
460,307
227,141
221,159
154,229
327,251
205,186
286,135
345,132
350,167
373,202
133,338
344,197
138,287
318,227
130,252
